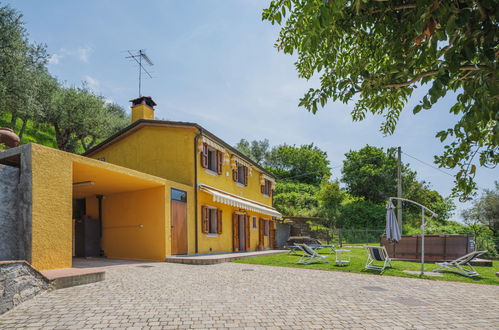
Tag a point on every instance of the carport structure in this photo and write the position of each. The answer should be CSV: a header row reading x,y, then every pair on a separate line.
x,y
65,202
124,215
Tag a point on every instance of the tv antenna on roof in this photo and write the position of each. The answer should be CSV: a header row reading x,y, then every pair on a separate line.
x,y
138,56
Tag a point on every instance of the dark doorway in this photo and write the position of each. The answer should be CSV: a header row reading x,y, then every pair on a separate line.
x,y
86,238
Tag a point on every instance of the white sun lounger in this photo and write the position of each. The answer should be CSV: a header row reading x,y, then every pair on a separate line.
x,y
461,265
377,258
310,255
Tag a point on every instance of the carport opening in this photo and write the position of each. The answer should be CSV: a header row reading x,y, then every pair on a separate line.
x,y
116,215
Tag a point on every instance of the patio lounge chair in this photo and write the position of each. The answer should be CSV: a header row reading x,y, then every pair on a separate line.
x,y
332,248
377,258
461,265
292,249
309,255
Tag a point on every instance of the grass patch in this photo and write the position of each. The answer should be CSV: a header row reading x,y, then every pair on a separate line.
x,y
35,132
41,134
358,259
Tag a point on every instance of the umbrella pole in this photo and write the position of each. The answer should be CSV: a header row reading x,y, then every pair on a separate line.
x,y
422,241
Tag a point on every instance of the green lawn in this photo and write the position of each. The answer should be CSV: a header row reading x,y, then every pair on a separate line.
x,y
358,259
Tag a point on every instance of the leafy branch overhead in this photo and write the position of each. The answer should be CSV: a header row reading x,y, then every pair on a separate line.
x,y
376,53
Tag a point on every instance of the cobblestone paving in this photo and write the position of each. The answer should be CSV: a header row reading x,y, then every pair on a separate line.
x,y
174,296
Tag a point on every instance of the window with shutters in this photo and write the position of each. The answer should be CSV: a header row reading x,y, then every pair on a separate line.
x,y
267,188
212,220
241,174
212,159
266,227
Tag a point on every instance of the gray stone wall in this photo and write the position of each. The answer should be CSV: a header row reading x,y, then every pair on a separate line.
x,y
15,203
9,231
282,234
19,282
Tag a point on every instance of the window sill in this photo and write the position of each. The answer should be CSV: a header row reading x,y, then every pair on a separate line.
x,y
211,235
211,172
265,195
240,184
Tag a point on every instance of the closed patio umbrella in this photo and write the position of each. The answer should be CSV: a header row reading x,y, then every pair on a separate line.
x,y
392,226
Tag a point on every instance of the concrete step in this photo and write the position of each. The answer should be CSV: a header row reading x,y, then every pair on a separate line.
x,y
210,259
68,277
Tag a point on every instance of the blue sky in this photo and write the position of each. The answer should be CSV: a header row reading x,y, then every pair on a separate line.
x,y
215,64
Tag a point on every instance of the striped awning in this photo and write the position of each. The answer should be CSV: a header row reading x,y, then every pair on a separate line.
x,y
220,196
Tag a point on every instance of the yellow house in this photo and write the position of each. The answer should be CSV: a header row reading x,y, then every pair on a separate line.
x,y
155,189
231,193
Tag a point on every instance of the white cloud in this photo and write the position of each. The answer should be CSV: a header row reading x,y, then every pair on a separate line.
x,y
83,53
55,58
92,83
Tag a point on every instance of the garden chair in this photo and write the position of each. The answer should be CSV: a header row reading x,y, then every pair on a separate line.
x,y
377,258
310,255
292,249
332,248
461,265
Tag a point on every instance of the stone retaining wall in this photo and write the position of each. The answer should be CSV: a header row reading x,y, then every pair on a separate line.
x,y
19,282
9,235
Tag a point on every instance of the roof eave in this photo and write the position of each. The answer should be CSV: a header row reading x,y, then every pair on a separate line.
x,y
145,122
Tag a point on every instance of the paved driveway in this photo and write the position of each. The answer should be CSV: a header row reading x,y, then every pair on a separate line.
x,y
251,296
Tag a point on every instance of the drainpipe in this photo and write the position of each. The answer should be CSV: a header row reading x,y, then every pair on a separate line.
x,y
196,188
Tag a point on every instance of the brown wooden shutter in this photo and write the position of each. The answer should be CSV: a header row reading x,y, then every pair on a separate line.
x,y
204,156
262,188
235,174
247,232
235,233
219,221
245,175
205,225
271,234
260,232
220,160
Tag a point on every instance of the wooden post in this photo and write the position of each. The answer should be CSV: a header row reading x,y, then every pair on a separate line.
x,y
399,187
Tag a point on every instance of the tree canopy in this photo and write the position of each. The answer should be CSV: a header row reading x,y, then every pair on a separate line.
x,y
370,173
375,53
306,163
79,118
258,151
485,210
